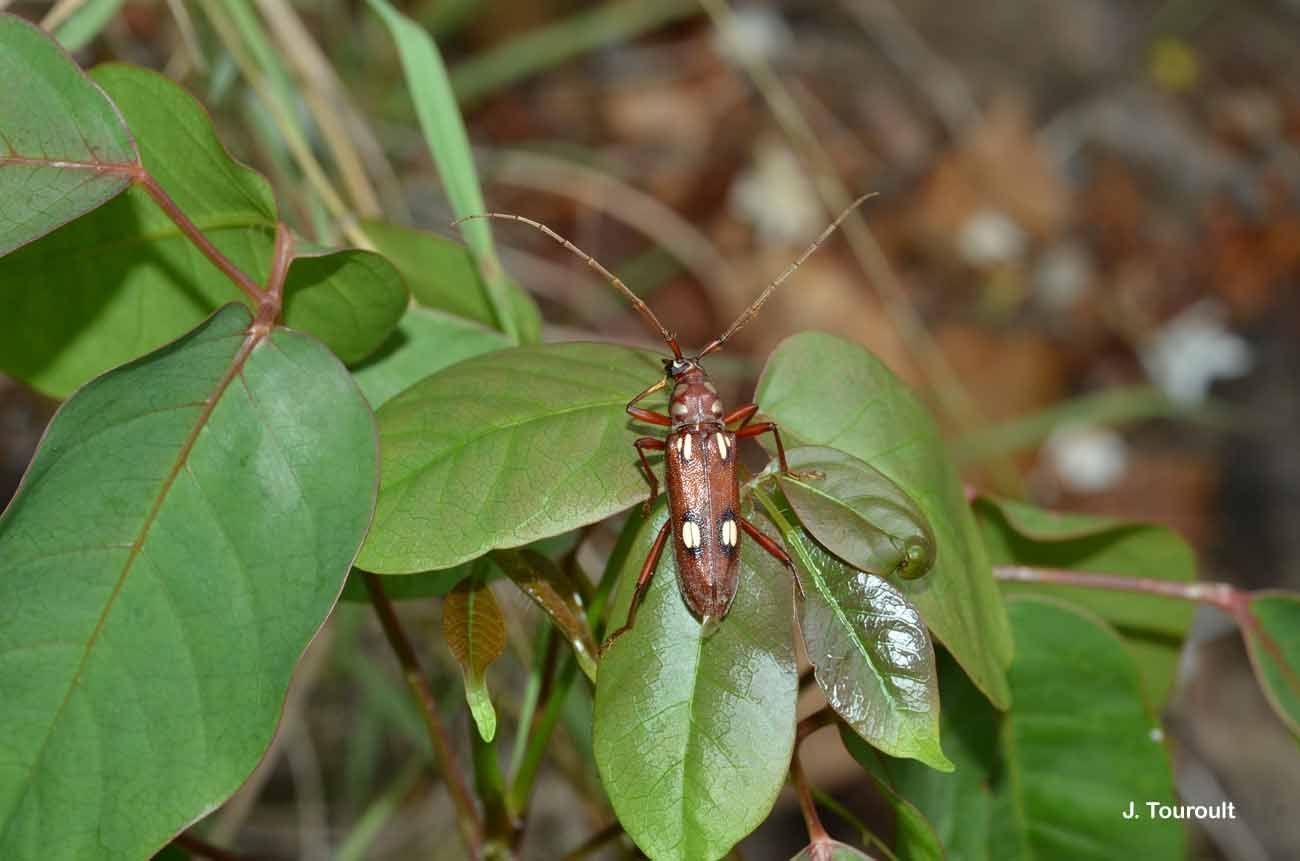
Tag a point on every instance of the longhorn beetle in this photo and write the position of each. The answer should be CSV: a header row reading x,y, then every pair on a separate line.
x,y
699,456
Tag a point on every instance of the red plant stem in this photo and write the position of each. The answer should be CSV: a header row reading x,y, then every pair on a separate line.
x,y
201,242
1221,595
823,717
816,833
471,827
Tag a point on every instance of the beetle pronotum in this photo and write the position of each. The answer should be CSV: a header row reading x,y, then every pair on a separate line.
x,y
699,456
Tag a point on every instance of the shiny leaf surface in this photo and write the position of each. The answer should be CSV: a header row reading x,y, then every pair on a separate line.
x,y
425,341
857,513
56,127
475,632
182,532
1052,777
554,591
827,391
1273,641
869,647
503,449
1153,628
693,735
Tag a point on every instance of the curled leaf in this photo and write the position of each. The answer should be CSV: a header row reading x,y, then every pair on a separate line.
x,y
857,513
869,647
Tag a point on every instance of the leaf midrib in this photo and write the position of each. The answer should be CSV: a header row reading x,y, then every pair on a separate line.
x,y
237,362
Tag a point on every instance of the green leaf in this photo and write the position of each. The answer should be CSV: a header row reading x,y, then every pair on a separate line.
x,y
503,449
64,148
86,22
915,837
1153,628
123,280
554,591
830,850
180,536
1053,777
475,632
868,646
856,513
693,735
827,391
425,341
351,300
1273,641
442,276
444,134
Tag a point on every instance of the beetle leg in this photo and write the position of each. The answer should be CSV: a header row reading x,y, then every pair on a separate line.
x,y
642,582
764,427
654,444
742,414
773,548
649,416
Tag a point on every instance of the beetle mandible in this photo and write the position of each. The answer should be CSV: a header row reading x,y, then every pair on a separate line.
x,y
699,455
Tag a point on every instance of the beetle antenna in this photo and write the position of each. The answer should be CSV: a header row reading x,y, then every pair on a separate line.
x,y
642,308
749,312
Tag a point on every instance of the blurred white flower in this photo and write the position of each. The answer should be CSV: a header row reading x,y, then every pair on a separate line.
x,y
990,237
777,197
1063,276
1191,351
1087,459
754,33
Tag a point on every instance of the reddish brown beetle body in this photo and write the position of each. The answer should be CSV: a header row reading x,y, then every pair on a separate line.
x,y
704,500
699,460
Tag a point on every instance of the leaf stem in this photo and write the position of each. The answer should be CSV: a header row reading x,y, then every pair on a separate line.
x,y
816,833
1221,595
471,826
201,242
521,789
820,719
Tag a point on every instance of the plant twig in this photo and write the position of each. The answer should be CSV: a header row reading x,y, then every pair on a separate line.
x,y
1221,595
471,826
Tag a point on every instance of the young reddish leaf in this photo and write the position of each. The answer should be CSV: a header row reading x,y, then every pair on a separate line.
x,y
1273,641
857,513
180,536
555,592
1153,627
868,646
827,391
64,148
475,632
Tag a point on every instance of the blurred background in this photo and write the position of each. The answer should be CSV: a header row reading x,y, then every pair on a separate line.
x,y
1083,252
